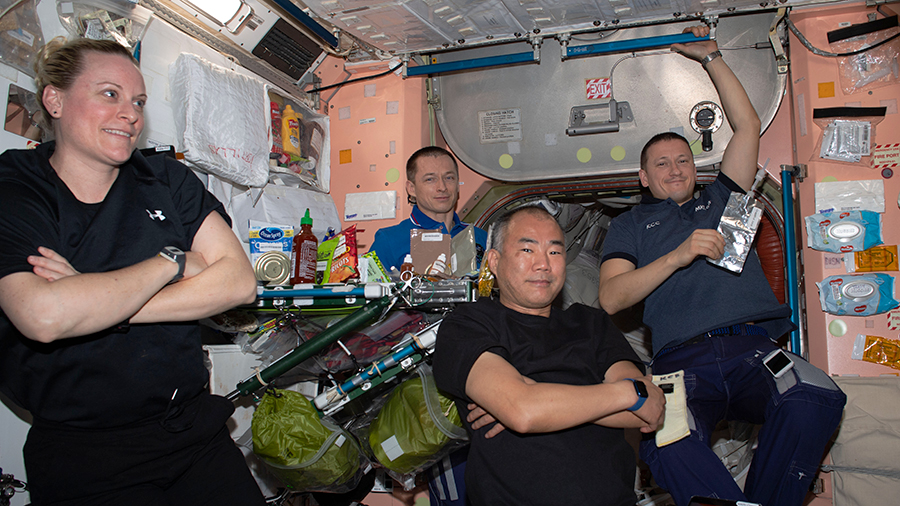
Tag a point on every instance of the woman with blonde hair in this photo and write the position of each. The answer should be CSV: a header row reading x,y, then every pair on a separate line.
x,y
107,261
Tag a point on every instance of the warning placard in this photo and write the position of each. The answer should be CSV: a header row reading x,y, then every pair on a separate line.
x,y
886,156
598,88
503,125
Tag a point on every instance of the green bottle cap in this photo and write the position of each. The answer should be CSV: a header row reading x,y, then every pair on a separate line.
x,y
306,220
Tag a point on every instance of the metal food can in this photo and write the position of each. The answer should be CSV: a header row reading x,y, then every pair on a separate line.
x,y
273,268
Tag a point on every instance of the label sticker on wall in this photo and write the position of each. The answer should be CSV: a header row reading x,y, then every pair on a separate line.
x,y
893,318
503,125
886,156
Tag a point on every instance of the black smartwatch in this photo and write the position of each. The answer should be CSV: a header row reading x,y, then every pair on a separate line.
x,y
642,394
173,254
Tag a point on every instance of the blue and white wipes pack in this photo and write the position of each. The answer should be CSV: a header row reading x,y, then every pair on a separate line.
x,y
843,232
857,294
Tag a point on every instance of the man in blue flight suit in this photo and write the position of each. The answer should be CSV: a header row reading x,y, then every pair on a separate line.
x,y
432,182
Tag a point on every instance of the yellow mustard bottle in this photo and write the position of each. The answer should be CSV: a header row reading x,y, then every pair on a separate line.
x,y
290,132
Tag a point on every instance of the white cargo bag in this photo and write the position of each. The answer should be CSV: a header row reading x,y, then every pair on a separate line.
x,y
221,120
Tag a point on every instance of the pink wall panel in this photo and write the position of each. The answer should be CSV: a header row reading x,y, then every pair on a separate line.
x,y
813,78
373,167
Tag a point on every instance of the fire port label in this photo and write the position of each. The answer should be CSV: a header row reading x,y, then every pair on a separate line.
x,y
598,88
886,156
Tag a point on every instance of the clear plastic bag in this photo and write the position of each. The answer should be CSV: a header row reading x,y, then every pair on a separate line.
x,y
120,20
304,451
848,134
306,166
20,35
871,69
409,429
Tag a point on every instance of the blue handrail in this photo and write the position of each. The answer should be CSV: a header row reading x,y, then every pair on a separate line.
x,y
473,63
790,253
632,44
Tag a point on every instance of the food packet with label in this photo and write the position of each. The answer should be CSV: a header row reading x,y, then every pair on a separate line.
x,y
336,259
877,258
877,350
738,225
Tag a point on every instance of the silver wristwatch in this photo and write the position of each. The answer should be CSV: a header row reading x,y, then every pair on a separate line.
x,y
173,254
710,57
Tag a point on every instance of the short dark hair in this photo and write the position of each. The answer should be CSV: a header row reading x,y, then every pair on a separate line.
x,y
660,137
427,151
499,227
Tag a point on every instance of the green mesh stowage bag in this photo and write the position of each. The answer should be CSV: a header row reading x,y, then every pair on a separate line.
x,y
405,436
302,450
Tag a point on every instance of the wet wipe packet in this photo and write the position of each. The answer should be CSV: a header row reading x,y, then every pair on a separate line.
x,y
857,294
843,232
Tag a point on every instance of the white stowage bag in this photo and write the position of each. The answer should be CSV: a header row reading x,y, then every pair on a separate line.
x,y
221,120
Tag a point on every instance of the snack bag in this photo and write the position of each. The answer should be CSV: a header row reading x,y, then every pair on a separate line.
x,y
337,258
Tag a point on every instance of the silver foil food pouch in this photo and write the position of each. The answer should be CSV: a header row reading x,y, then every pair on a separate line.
x,y
738,225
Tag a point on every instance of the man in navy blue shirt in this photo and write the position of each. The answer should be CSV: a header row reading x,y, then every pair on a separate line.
x,y
715,325
432,182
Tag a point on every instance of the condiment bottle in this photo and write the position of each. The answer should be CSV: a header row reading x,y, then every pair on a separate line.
x,y
406,269
439,266
303,253
290,132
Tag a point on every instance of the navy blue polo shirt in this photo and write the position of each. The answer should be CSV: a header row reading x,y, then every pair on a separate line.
x,y
392,243
699,297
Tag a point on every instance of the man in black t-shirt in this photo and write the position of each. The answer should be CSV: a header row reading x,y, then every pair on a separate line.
x,y
563,383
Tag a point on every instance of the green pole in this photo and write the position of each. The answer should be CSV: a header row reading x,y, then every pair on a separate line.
x,y
325,338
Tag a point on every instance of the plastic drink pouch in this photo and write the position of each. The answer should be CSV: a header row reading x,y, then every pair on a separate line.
x,y
738,225
877,350
843,232
857,294
337,257
877,258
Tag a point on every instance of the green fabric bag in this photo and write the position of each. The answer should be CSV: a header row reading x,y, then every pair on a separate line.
x,y
305,452
414,425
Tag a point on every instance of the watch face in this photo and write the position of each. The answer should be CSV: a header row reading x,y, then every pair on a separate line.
x,y
641,389
173,251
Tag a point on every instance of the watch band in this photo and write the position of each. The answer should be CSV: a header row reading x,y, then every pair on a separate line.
x,y
173,254
641,391
710,57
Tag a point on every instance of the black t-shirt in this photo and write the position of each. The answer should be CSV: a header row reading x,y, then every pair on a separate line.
x,y
106,379
588,464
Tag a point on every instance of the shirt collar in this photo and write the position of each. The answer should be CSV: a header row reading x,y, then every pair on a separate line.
x,y
137,159
424,221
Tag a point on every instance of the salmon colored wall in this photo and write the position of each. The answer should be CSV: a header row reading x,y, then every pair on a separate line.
x,y
372,166
813,78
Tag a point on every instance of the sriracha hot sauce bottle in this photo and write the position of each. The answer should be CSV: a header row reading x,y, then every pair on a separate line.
x,y
303,254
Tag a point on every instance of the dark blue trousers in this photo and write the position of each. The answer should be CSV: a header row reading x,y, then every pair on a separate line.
x,y
725,380
447,480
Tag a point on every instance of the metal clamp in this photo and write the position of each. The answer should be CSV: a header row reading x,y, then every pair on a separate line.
x,y
781,61
598,118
